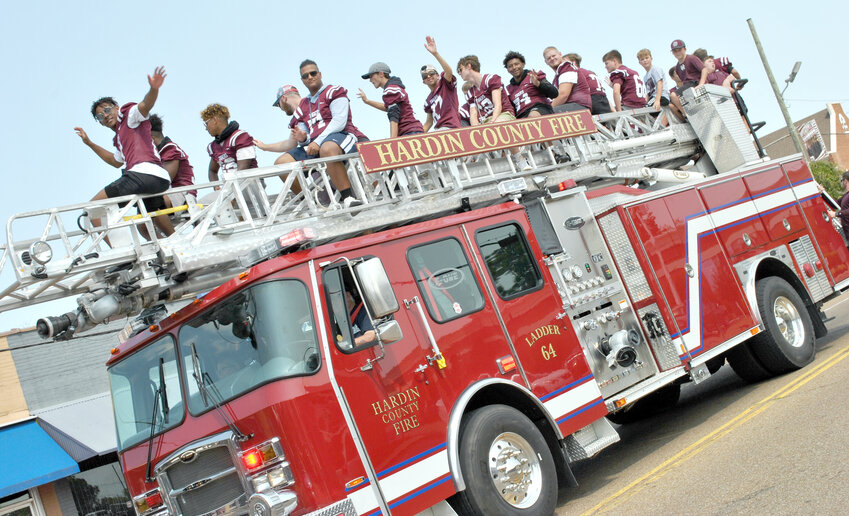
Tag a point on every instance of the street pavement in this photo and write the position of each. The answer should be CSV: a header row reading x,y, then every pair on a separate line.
x,y
776,447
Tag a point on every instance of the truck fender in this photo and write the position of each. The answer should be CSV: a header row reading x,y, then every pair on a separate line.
x,y
509,393
775,262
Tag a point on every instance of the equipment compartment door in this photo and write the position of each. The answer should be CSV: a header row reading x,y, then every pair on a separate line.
x,y
829,242
692,269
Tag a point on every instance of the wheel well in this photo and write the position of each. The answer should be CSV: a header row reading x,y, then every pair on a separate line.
x,y
507,394
773,267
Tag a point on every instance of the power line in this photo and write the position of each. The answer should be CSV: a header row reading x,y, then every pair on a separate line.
x,y
830,101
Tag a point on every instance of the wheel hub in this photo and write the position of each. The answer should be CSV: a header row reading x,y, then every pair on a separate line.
x,y
515,470
789,321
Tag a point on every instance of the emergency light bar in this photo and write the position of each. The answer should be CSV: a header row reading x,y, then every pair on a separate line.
x,y
279,245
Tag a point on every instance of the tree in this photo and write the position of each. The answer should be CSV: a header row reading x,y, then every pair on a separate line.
x,y
828,175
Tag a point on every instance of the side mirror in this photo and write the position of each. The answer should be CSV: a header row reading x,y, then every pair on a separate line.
x,y
376,288
388,332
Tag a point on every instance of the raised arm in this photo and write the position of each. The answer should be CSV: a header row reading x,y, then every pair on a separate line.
x,y
447,72
281,146
373,103
104,154
155,82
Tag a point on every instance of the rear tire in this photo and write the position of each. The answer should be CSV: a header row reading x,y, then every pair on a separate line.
x,y
788,343
658,401
743,362
506,464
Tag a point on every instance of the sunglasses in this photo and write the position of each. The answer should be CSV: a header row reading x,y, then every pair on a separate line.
x,y
100,117
309,74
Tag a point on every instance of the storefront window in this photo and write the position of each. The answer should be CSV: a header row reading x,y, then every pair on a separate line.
x,y
101,492
20,504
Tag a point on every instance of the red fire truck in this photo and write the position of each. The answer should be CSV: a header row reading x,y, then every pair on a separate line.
x,y
455,344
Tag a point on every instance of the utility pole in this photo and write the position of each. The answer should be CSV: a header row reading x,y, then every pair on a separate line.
x,y
797,140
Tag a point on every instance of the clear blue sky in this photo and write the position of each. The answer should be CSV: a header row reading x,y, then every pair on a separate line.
x,y
60,56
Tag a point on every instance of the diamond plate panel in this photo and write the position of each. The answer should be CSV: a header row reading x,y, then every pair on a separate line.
x,y
803,252
623,253
663,347
342,508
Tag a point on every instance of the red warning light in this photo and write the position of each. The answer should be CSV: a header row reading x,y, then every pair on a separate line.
x,y
252,459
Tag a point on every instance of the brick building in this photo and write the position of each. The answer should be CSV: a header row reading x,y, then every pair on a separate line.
x,y
833,126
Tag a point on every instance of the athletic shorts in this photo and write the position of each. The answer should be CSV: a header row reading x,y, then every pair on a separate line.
x,y
503,117
542,109
600,104
132,183
568,107
348,143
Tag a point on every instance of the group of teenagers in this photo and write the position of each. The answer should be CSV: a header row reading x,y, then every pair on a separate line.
x,y
321,123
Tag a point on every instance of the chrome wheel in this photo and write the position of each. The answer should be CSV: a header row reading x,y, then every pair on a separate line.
x,y
515,470
789,321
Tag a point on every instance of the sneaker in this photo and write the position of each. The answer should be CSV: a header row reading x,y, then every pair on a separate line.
x,y
562,158
350,202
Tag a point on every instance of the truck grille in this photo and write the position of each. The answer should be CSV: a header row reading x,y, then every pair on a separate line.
x,y
212,496
209,462
202,478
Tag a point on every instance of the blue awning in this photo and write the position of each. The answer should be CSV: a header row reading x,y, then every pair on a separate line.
x,y
30,458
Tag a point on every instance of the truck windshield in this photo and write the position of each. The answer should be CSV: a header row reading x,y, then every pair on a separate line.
x,y
134,383
263,333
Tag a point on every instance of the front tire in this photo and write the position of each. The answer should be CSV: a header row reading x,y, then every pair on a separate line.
x,y
788,343
507,465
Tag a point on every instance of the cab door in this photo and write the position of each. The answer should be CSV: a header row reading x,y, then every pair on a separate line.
x,y
397,416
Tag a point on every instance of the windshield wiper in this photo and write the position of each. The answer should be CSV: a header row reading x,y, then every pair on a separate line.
x,y
213,395
158,397
163,391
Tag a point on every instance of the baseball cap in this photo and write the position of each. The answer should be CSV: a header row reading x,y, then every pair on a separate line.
x,y
376,68
677,44
286,88
428,69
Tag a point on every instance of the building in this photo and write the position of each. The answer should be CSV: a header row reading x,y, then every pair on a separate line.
x,y
57,432
828,128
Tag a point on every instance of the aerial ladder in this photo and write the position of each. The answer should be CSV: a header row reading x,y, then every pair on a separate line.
x,y
94,251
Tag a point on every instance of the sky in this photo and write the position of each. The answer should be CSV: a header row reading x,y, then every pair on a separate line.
x,y
60,56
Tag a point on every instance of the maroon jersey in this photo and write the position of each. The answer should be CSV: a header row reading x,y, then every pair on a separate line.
x,y
632,89
314,112
398,107
134,143
690,69
724,64
568,72
170,151
525,95
232,146
717,77
442,103
463,112
482,96
593,82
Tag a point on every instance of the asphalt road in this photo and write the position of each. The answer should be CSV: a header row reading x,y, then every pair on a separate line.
x,y
776,447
